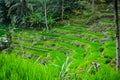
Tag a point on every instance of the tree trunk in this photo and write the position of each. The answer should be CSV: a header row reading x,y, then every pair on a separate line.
x,y
9,37
117,35
93,6
62,9
46,22
23,7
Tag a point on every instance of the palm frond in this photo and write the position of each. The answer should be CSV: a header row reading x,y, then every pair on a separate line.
x,y
13,8
30,7
8,2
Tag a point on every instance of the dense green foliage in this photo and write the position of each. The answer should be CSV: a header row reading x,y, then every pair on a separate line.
x,y
29,13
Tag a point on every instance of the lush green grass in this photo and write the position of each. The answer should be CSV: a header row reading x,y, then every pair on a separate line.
x,y
16,68
105,73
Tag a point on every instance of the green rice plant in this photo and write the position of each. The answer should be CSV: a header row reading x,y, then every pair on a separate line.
x,y
105,73
64,72
109,49
16,68
69,54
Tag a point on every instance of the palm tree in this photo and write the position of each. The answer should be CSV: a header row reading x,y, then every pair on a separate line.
x,y
21,8
18,10
62,9
93,6
44,3
46,21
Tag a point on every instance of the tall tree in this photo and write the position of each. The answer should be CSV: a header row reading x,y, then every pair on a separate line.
x,y
93,6
46,21
18,10
21,7
117,35
62,9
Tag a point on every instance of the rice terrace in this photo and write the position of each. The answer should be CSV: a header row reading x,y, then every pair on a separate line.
x,y
59,40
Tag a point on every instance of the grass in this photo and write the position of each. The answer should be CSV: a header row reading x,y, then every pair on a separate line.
x,y
105,73
15,68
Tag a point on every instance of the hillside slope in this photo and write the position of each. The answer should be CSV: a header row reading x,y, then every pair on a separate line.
x,y
67,52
